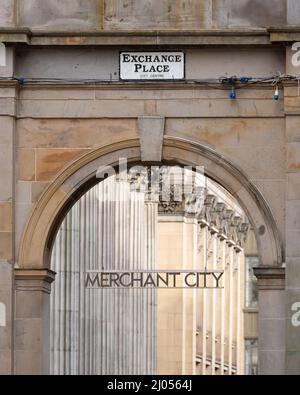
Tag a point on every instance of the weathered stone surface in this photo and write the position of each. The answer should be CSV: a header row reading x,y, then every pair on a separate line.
x,y
272,362
8,70
208,63
273,303
293,272
292,243
50,161
103,64
293,186
6,165
26,164
5,217
229,131
219,108
272,337
7,13
6,245
232,13
82,108
5,362
28,334
274,191
23,192
156,14
293,12
65,14
74,133
292,105
6,130
151,131
22,211
293,128
28,362
68,63
293,156
293,215
259,162
36,190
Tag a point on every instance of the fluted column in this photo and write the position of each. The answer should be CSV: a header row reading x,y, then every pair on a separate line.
x,y
104,331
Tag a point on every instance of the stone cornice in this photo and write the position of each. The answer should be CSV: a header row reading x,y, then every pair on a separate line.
x,y
203,37
270,277
34,279
284,34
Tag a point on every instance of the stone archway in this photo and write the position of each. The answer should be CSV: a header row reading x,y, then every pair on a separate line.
x,y
33,275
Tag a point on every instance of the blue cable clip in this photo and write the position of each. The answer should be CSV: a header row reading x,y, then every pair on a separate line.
x,y
19,79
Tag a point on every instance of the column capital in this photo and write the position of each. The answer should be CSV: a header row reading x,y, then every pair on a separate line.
x,y
34,279
270,277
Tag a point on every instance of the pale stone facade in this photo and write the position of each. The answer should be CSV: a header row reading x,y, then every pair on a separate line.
x,y
55,134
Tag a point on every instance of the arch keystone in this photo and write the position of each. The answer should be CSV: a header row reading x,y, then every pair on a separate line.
x,y
151,130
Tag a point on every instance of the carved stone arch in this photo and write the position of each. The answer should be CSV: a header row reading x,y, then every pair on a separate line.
x,y
79,176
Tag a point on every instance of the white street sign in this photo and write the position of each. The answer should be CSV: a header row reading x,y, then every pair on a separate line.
x,y
152,65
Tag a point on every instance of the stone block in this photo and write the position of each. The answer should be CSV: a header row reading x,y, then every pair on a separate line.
x,y
29,305
6,130
254,62
151,137
292,105
229,131
75,63
26,164
50,161
5,338
81,108
263,162
293,273
293,12
271,362
293,186
292,362
254,13
6,245
271,304
293,128
7,92
274,191
293,215
37,189
74,133
5,217
219,108
5,273
293,156
28,334
7,106
55,14
5,362
7,13
8,71
292,243
23,192
28,362
6,174
22,211
271,334
145,15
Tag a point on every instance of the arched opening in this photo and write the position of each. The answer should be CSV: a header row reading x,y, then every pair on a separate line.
x,y
75,180
136,225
